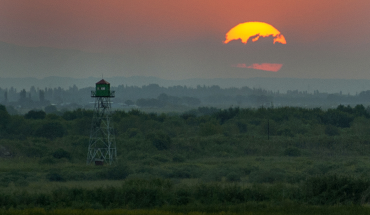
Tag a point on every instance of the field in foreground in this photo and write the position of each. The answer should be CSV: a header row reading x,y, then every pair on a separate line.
x,y
258,161
261,209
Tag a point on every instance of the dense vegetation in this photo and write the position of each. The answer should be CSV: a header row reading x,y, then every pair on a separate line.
x,y
178,98
200,159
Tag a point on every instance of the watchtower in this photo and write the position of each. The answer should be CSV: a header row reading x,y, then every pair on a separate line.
x,y
102,144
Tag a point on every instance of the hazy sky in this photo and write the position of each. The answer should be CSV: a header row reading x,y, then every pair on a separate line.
x,y
177,39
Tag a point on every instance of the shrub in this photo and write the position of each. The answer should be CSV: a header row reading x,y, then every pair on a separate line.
x,y
61,153
292,151
160,158
178,159
47,160
132,132
267,176
208,129
285,132
332,130
242,127
35,151
35,114
50,130
116,172
54,176
333,190
187,171
233,177
160,140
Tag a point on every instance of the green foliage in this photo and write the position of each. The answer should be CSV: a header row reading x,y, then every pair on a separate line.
x,y
47,161
160,140
55,175
292,151
50,130
224,115
61,153
16,177
160,158
178,159
268,176
331,130
337,118
4,116
334,190
132,132
209,128
217,147
233,177
116,172
35,114
285,132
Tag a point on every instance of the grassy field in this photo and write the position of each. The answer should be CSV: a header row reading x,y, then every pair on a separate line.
x,y
247,209
203,161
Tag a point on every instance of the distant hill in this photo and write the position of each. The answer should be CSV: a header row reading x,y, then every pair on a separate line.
x,y
275,84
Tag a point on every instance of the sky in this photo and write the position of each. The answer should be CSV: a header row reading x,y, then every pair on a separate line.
x,y
184,39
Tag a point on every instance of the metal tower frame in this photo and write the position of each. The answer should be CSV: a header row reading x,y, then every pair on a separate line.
x,y
102,144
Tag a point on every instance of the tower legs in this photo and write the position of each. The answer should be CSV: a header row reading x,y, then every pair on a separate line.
x,y
102,143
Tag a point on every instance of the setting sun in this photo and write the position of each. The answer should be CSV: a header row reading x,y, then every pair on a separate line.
x,y
254,30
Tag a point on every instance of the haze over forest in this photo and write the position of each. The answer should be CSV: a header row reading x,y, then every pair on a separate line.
x,y
37,61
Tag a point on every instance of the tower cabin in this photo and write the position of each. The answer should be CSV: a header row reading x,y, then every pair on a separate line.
x,y
102,89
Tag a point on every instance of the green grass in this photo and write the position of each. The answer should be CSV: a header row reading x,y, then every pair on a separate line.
x,y
248,209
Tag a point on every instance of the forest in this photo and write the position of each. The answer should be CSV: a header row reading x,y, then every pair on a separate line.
x,y
289,160
180,98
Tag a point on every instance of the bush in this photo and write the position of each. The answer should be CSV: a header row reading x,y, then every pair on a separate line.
x,y
188,171
160,140
50,130
160,158
35,114
61,153
33,152
116,172
292,151
47,160
209,128
267,176
233,177
54,176
332,130
334,190
178,159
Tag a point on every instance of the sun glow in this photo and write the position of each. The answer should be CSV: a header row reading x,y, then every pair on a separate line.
x,y
254,30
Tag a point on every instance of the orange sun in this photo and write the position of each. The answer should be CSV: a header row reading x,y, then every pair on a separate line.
x,y
246,30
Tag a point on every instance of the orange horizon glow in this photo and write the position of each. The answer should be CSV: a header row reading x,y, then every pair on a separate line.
x,y
244,31
271,67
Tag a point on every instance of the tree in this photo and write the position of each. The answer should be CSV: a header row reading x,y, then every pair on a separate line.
x,y
50,130
35,114
160,140
129,102
6,96
41,95
50,109
4,117
22,95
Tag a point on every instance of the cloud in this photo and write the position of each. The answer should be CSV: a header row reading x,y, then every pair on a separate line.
x,y
272,67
